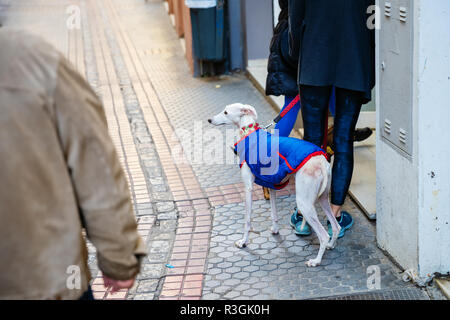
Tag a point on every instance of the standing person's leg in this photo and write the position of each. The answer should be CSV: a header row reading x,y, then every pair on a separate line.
x,y
359,134
348,107
286,124
88,295
315,102
333,102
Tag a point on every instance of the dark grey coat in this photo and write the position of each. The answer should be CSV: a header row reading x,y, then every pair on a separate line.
x,y
333,44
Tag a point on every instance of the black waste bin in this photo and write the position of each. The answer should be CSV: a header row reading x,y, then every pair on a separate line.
x,y
208,33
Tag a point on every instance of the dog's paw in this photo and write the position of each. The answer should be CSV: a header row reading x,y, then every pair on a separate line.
x,y
274,230
241,243
312,263
330,246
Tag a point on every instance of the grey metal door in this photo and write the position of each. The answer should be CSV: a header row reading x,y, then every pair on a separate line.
x,y
396,63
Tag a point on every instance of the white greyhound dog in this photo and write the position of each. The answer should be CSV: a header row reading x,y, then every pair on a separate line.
x,y
312,183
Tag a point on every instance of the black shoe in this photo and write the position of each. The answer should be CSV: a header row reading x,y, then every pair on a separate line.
x,y
362,134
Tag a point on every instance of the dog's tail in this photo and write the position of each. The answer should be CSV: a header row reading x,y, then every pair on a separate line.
x,y
325,168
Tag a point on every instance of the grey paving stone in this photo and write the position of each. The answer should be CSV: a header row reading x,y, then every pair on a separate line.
x,y
232,295
241,275
223,276
160,247
144,212
146,296
242,263
259,262
157,257
210,296
168,225
147,286
165,206
259,240
224,265
251,280
330,284
172,215
259,285
334,266
213,283
214,271
241,287
216,260
151,270
232,270
235,259
232,282
251,292
260,273
225,254
251,258
269,267
222,289
287,265
278,272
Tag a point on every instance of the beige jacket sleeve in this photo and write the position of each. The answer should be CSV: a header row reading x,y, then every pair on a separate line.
x,y
97,176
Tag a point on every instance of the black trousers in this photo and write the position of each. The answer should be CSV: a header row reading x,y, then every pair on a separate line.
x,y
87,295
315,102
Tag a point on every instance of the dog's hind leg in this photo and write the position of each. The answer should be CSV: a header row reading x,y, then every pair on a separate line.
x,y
325,204
273,212
310,214
308,183
247,178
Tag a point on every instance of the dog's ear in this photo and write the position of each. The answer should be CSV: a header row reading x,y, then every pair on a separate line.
x,y
249,110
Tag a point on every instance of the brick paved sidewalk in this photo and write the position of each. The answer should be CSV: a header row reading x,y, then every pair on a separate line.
x,y
191,214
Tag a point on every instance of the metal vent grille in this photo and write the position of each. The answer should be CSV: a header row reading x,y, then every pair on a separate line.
x,y
387,126
395,294
387,9
403,14
402,135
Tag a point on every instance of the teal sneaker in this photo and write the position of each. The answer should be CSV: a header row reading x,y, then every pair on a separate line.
x,y
345,221
296,223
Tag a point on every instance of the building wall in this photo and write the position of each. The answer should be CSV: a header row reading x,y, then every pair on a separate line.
x,y
413,195
259,28
433,84
397,207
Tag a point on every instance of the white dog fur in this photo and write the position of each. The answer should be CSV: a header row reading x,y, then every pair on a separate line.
x,y
312,183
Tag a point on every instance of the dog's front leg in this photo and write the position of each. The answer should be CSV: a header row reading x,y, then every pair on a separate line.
x,y
247,178
273,212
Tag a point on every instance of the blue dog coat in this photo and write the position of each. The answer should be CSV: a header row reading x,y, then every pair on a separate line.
x,y
271,158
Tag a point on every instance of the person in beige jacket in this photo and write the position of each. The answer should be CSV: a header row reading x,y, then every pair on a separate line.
x,y
59,174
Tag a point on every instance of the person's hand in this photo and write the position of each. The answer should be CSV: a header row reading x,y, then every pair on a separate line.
x,y
117,285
